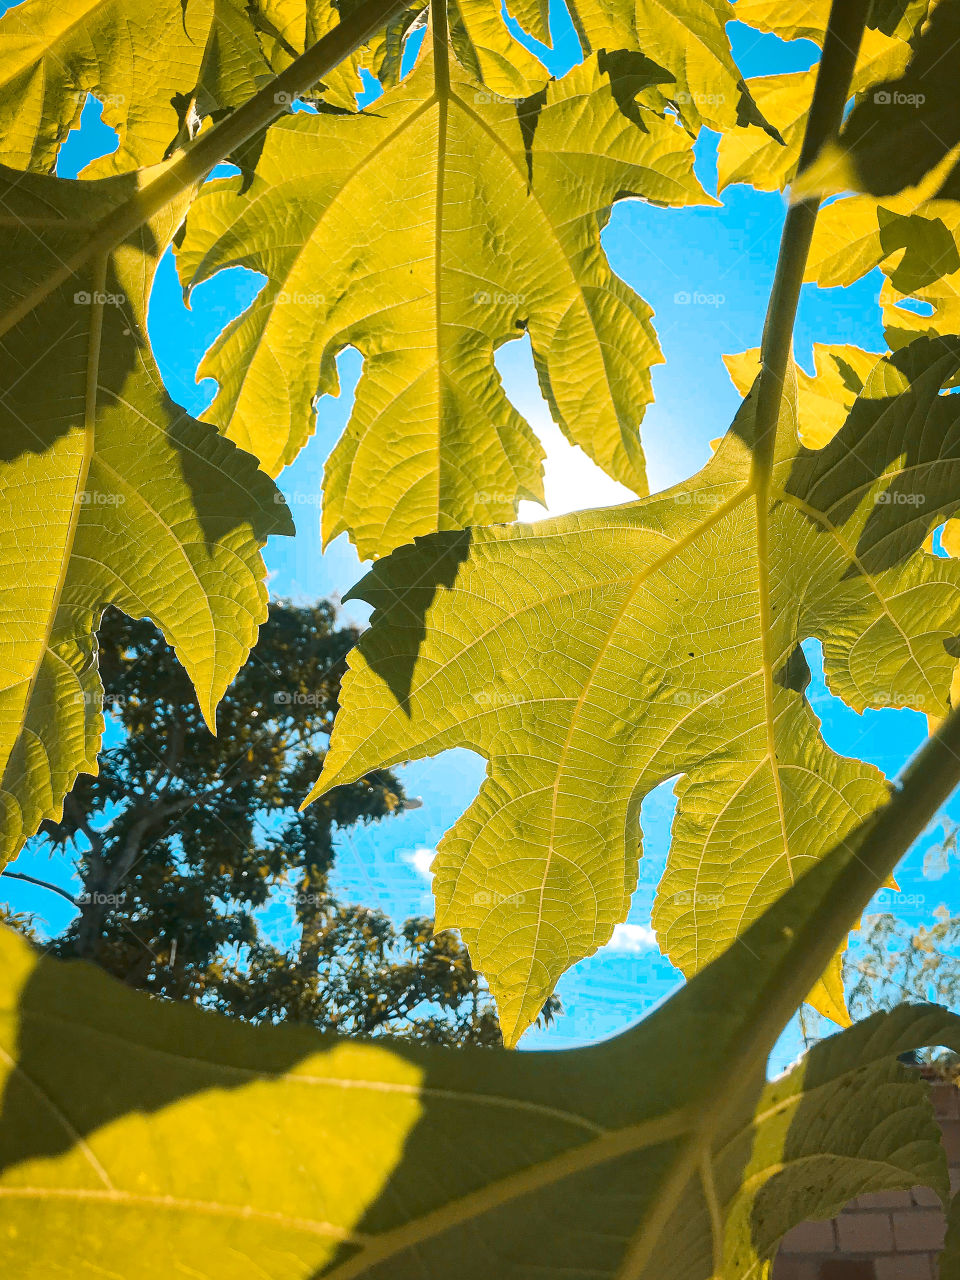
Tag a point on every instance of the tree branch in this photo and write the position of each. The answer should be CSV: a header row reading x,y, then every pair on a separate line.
x,y
41,884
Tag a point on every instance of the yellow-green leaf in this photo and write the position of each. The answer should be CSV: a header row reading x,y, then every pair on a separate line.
x,y
592,657
824,400
489,53
380,250
137,56
109,493
907,130
689,39
807,19
750,154
145,1138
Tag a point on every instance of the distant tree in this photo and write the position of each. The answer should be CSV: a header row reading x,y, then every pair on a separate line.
x,y
183,836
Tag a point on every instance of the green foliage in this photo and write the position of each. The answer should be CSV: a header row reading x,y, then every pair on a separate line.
x,y
541,868
588,658
109,493
182,837
120,1139
433,442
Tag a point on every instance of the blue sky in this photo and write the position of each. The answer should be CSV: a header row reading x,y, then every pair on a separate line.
x,y
727,253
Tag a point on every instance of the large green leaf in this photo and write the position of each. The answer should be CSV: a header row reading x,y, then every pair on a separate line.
x,y
908,129
592,657
488,51
367,230
54,52
807,19
750,154
148,1139
689,39
109,493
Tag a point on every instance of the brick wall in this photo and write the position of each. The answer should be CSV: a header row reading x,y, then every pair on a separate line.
x,y
891,1235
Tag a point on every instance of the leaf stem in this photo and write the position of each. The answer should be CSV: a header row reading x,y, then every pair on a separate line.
x,y
198,158
840,48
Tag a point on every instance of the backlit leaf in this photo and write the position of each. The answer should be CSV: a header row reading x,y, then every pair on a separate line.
x,y
907,128
824,400
146,1138
109,493
367,230
689,39
54,52
751,154
592,657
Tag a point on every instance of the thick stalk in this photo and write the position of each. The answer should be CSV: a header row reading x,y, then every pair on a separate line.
x,y
197,159
840,48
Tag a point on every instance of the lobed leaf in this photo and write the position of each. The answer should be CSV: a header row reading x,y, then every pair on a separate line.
x,y
686,37
908,129
750,154
142,1137
109,493
367,230
54,52
592,657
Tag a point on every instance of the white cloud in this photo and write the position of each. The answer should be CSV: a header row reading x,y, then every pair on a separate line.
x,y
421,861
632,938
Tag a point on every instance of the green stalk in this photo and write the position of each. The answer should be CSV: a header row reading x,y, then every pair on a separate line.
x,y
190,166
873,850
840,48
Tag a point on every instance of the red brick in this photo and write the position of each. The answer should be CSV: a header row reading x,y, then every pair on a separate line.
x,y
913,1266
951,1140
885,1200
927,1197
795,1269
921,1229
945,1099
865,1232
810,1237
